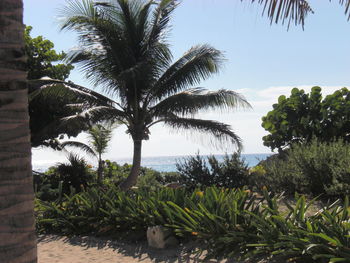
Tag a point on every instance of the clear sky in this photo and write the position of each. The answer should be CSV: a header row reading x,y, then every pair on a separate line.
x,y
263,62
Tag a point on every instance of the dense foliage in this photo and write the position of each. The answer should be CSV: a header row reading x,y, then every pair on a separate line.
x,y
228,223
198,172
99,136
64,178
69,178
42,59
46,109
302,116
315,168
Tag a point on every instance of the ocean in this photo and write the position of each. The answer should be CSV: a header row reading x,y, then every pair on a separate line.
x,y
168,163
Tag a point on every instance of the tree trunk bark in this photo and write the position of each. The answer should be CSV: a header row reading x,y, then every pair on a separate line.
x,y
135,169
100,171
17,235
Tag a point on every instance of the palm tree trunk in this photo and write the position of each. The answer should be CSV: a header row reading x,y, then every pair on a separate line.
x,y
99,171
17,236
135,169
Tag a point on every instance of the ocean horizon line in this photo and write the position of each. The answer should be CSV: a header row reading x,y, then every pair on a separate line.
x,y
166,163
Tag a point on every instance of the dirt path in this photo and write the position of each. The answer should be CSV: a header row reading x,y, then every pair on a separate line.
x,y
58,249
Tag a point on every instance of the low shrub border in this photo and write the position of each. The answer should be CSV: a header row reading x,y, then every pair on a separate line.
x,y
230,222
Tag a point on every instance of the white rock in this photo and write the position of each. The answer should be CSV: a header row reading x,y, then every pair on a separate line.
x,y
160,237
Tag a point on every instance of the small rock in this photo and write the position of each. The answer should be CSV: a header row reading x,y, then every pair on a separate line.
x,y
160,237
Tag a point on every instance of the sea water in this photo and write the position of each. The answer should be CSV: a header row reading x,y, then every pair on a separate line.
x,y
167,163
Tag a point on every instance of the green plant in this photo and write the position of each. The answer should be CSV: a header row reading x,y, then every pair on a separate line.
x,y
228,222
196,171
302,117
42,58
99,136
315,168
74,175
130,59
149,179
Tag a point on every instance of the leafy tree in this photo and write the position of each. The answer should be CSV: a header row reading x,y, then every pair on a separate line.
x,y
45,108
123,49
302,117
99,137
42,58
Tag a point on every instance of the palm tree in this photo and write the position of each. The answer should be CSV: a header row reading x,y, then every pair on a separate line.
x,y
99,137
18,240
123,50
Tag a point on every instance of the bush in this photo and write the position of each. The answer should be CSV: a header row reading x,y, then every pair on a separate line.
x,y
149,179
314,168
72,177
198,172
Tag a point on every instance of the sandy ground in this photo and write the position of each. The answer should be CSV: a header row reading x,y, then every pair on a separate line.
x,y
58,249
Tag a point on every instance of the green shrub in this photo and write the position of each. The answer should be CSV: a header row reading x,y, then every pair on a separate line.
x,y
73,176
149,179
198,172
314,168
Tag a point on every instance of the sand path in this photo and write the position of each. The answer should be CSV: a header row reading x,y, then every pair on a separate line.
x,y
58,249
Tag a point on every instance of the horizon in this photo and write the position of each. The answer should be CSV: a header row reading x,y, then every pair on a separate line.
x,y
263,62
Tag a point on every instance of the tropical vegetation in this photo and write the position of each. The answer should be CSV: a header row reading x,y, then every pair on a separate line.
x,y
99,136
42,59
324,236
302,117
200,172
227,222
123,50
317,168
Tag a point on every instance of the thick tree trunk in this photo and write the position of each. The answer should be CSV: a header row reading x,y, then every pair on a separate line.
x,y
135,169
17,236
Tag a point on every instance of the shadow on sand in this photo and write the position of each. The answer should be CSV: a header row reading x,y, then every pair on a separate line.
x,y
139,250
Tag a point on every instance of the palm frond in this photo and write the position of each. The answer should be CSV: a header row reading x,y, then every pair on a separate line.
x,y
285,10
96,114
221,134
78,14
191,101
157,30
99,136
82,146
196,65
160,21
346,4
47,87
103,33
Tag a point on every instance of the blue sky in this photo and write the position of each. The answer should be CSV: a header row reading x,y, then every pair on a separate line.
x,y
263,62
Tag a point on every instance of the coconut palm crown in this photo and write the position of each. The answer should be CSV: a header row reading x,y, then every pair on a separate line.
x,y
123,50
